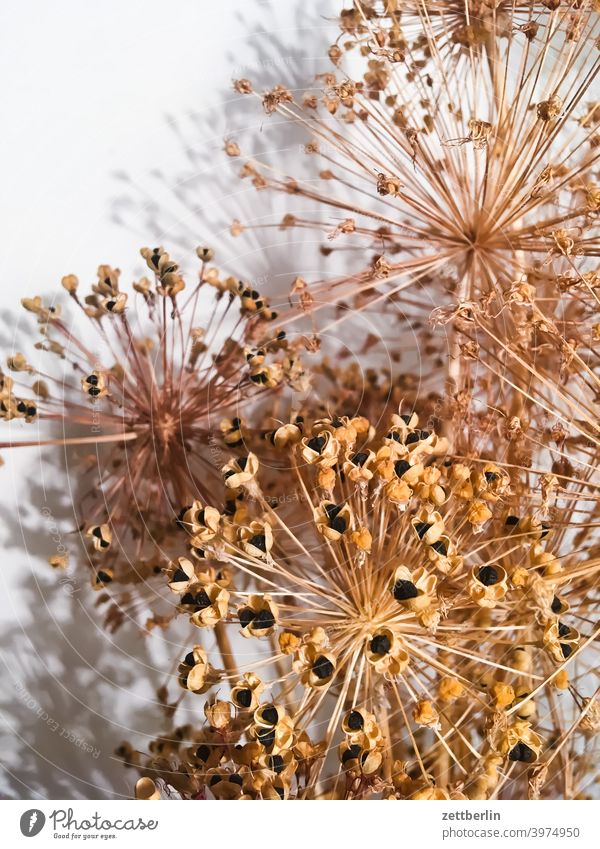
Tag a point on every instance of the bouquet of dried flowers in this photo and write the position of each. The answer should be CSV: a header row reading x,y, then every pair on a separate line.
x,y
389,594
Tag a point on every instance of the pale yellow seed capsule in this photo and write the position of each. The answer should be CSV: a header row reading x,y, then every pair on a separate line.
x,y
146,789
326,479
70,283
362,539
520,577
503,694
561,681
425,714
450,689
58,561
288,642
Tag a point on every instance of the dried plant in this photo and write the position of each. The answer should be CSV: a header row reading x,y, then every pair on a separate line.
x,y
147,384
418,601
456,145
416,633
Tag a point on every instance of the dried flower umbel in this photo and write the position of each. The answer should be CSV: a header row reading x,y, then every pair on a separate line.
x,y
478,191
149,380
416,633
457,144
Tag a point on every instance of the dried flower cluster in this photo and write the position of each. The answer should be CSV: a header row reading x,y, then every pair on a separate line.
x,y
456,146
417,634
147,382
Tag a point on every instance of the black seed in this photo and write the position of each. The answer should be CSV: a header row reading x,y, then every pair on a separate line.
x,y
242,462
104,577
316,443
380,644
360,459
441,547
322,668
556,605
488,576
424,434
259,541
270,715
92,380
393,435
228,474
236,423
93,392
110,305
202,600
521,752
244,698
355,721
157,570
97,533
421,529
563,630
406,419
187,598
230,508
545,530
400,467
411,438
403,590
281,335
246,615
276,763
566,650
179,520
266,737
104,544
189,659
491,476
180,575
351,753
254,295
264,619
332,510
338,524
261,377
215,780
203,752
512,520
235,779
280,792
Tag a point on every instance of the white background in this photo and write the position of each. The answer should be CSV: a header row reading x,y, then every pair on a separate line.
x,y
113,117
